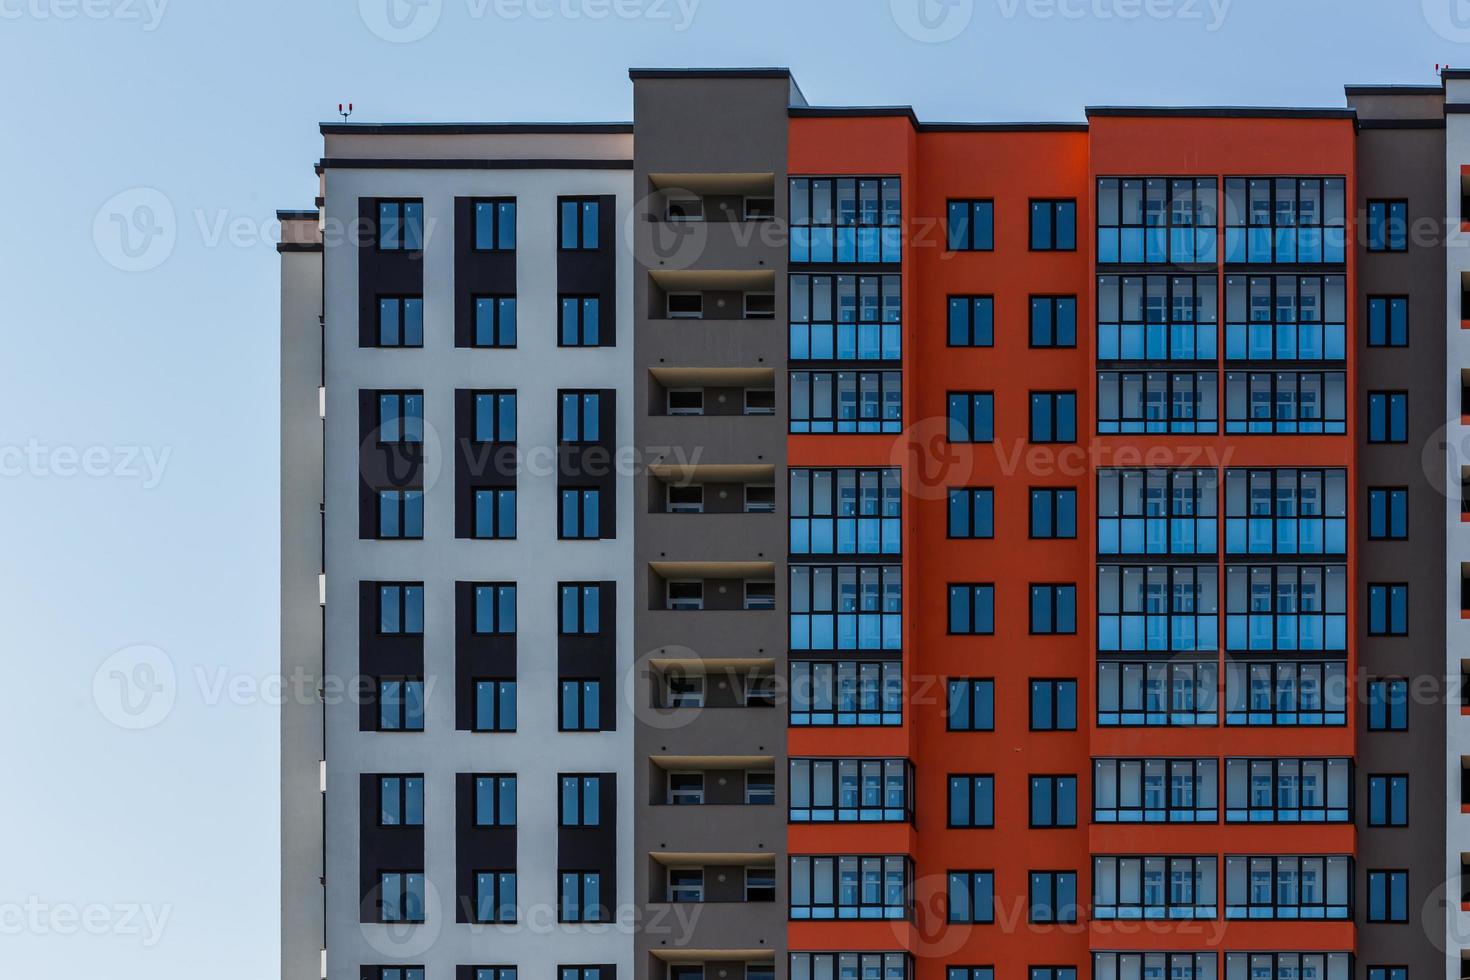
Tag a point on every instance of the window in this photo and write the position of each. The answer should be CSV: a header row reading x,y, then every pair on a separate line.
x,y
685,401
401,801
1154,887
1157,318
1054,321
972,512
1288,790
411,973
870,966
1286,512
1053,972
1388,513
1176,694
1156,512
581,801
846,219
581,608
401,704
760,500
971,226
1053,801
1285,402
1157,607
495,513
685,595
1388,705
1388,226
1388,610
1388,321
493,973
400,321
1053,705
850,791
760,886
1285,607
846,402
684,306
846,318
850,887
845,512
400,226
400,417
495,801
495,321
495,896
495,225
971,896
684,207
578,515
1286,693
495,706
1388,973
760,788
400,514
760,691
1053,609
578,219
760,401
847,693
1388,801
579,898
970,705
1287,887
580,322
971,801
1156,219
495,416
760,595
685,885
401,608
846,607
586,972
971,416
581,708
972,610
686,789
579,416
1388,414
972,321
495,609
1285,318
1284,220
1157,402
1176,966
683,690
969,973
1052,897
1292,966
1155,791
759,208
1053,416
1053,226
401,896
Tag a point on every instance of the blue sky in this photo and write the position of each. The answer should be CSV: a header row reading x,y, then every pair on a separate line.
x,y
138,447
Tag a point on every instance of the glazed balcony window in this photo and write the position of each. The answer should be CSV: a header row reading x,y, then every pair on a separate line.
x,y
1285,220
1157,219
1286,512
1156,402
1157,966
1157,607
1157,694
1286,318
846,693
846,607
1155,791
1285,402
846,219
845,512
1288,966
1287,887
850,966
1286,607
851,791
1157,318
1154,887
1288,790
1156,512
846,318
850,887
1286,693
846,402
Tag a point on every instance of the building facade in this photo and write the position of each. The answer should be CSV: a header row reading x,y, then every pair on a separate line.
x,y
767,541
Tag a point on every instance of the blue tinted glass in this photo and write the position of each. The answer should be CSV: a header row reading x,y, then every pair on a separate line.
x,y
589,224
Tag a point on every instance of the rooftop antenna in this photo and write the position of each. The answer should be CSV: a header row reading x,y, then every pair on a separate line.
x,y
344,113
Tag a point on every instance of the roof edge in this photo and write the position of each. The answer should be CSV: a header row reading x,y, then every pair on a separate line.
x,y
1223,112
472,129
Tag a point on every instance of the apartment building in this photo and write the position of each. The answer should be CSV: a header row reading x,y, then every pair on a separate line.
x,y
972,551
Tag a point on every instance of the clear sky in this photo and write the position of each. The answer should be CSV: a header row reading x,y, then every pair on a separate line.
x,y
138,461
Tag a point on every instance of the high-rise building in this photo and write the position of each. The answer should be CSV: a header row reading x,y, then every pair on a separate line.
x,y
1055,596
